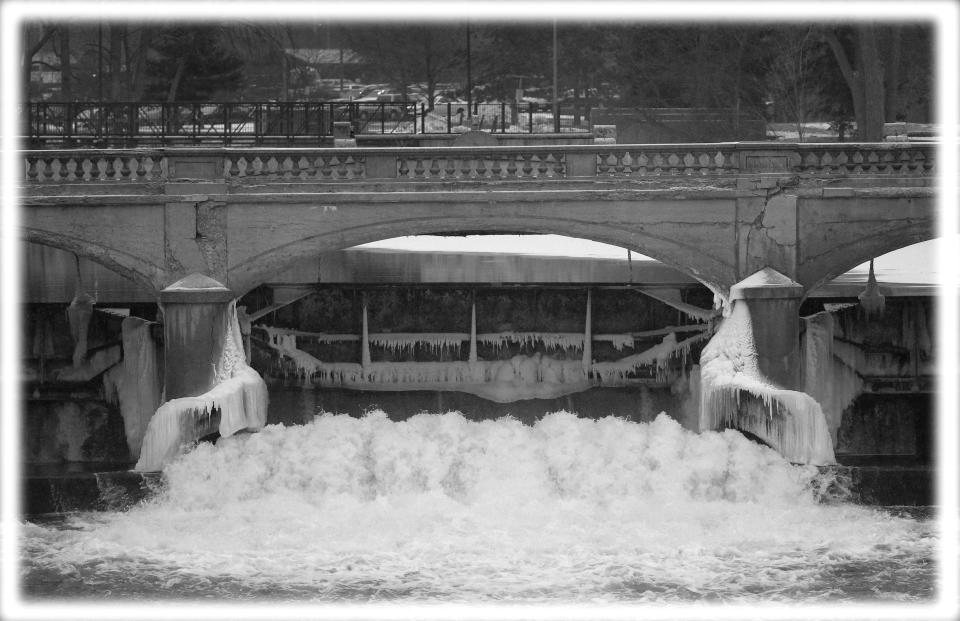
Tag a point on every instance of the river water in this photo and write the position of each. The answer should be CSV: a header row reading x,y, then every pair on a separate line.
x,y
438,508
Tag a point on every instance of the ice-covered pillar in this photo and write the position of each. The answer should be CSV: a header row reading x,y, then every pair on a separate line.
x,y
774,304
195,318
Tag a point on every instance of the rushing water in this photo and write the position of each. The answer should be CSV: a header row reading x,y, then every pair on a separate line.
x,y
441,509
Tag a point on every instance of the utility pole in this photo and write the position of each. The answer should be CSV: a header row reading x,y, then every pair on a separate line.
x,y
556,100
469,77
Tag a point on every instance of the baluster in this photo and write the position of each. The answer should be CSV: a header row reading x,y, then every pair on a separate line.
x,y
527,166
435,172
496,168
31,173
419,170
140,172
512,166
47,170
125,168
481,168
403,169
450,169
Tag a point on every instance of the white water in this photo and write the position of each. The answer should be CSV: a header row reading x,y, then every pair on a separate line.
x,y
438,508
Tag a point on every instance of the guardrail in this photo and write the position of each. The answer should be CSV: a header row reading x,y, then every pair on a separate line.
x,y
111,124
240,165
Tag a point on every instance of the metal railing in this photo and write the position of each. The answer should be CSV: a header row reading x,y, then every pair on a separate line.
x,y
123,124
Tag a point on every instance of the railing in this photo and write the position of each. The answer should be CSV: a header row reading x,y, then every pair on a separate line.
x,y
241,165
156,123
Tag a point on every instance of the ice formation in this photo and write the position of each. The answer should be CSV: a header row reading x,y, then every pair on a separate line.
x,y
550,340
79,314
829,378
658,356
237,401
871,300
404,343
735,393
520,377
135,384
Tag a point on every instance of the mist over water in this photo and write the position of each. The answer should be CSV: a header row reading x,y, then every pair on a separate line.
x,y
441,509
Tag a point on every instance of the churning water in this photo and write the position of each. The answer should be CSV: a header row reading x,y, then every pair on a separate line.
x,y
441,509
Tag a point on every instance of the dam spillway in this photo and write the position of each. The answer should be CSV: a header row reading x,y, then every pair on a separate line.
x,y
508,482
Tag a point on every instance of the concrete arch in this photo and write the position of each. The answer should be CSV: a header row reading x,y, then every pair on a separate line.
x,y
715,272
842,259
133,268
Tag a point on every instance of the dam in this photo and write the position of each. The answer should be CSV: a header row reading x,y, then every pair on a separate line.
x,y
251,336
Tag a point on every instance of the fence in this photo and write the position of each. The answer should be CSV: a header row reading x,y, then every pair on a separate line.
x,y
129,124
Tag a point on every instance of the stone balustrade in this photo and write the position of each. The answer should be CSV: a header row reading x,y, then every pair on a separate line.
x,y
240,165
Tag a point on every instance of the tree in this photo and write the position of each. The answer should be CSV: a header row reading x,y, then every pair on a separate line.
x,y
792,80
191,65
857,52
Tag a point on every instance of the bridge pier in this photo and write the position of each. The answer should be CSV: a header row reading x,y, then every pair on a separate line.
x,y
750,372
773,301
195,317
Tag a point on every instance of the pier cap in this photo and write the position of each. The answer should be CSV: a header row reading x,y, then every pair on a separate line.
x,y
196,289
768,283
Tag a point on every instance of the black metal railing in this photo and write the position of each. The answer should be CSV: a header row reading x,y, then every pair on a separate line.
x,y
162,123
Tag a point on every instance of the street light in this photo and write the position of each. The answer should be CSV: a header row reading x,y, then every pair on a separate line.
x,y
469,78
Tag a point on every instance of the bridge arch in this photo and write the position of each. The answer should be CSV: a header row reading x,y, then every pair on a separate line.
x,y
842,258
134,268
717,273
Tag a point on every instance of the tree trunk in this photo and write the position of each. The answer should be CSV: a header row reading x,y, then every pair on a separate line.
x,y
865,80
893,106
137,83
116,44
66,83
873,89
177,77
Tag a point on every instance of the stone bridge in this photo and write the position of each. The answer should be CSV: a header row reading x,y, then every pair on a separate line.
x,y
760,224
719,212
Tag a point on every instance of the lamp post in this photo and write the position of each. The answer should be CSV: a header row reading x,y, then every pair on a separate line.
x,y
556,101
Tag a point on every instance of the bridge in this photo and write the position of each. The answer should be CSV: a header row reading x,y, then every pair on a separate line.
x,y
764,223
718,212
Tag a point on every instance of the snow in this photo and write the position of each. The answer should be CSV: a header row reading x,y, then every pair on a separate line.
x,y
237,402
734,393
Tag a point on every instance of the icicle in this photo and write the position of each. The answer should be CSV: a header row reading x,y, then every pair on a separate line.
x,y
365,340
871,300
473,332
588,336
79,314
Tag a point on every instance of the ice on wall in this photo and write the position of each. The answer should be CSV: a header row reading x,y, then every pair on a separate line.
x,y
550,340
136,383
79,314
829,378
735,393
658,356
404,343
237,402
